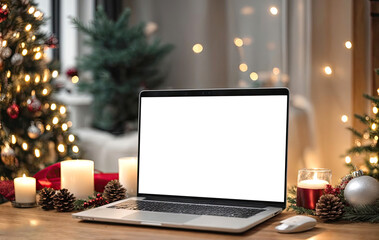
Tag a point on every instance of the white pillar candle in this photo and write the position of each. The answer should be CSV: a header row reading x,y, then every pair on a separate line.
x,y
127,174
313,184
25,189
78,177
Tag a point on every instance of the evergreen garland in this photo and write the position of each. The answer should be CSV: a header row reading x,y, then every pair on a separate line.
x,y
366,213
291,199
78,204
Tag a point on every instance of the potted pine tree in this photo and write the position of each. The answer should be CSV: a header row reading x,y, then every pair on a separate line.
x,y
122,63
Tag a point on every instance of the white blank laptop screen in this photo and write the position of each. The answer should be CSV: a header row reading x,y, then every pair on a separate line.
x,y
229,147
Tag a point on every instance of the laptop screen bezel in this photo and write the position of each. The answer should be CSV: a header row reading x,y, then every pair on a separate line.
x,y
215,92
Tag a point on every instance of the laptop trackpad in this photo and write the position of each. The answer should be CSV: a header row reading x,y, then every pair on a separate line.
x,y
160,217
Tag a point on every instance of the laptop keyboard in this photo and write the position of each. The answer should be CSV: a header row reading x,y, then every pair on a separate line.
x,y
188,208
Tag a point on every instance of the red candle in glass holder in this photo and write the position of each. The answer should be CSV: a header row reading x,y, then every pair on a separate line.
x,y
310,186
308,192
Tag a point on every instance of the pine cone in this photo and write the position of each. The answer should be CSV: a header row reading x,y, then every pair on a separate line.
x,y
46,198
64,201
114,191
329,207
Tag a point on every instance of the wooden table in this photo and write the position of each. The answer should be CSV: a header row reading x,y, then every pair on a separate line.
x,y
35,223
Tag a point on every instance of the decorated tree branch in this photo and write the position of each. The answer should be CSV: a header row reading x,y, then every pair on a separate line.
x,y
366,144
34,129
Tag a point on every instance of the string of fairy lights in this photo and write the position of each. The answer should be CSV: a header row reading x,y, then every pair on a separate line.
x,y
373,159
254,76
344,118
53,106
240,42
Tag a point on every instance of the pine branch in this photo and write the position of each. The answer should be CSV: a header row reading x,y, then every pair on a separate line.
x,y
291,199
372,98
351,166
78,204
366,213
355,132
292,191
300,210
363,149
373,169
364,119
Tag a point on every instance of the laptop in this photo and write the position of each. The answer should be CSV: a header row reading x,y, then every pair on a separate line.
x,y
212,159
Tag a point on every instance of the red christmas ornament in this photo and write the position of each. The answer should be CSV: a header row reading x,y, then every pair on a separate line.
x,y
3,14
13,111
34,104
72,72
52,42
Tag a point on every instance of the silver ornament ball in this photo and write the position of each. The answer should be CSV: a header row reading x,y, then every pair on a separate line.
x,y
33,131
16,59
6,52
362,190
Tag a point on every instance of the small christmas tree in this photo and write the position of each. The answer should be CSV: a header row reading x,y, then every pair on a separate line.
x,y
33,127
122,63
367,143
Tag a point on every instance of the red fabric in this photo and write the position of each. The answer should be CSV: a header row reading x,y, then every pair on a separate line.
x,y
101,179
51,177
7,189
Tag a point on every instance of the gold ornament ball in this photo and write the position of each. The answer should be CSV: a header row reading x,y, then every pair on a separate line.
x,y
8,157
40,126
34,132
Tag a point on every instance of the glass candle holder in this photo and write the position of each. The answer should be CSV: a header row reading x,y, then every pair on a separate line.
x,y
25,192
310,186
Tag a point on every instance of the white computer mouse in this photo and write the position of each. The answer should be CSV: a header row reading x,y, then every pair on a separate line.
x,y
296,224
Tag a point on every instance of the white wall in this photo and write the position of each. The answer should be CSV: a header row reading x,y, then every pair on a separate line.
x,y
185,23
68,46
331,95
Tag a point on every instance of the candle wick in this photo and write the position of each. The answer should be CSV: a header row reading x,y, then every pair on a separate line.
x,y
23,175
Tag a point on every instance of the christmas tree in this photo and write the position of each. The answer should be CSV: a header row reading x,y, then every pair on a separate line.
x,y
33,127
366,144
122,63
